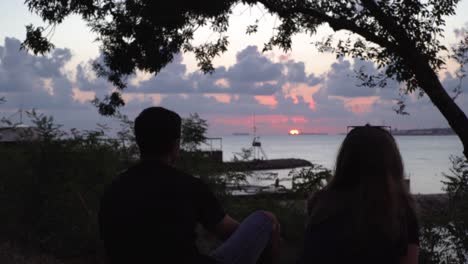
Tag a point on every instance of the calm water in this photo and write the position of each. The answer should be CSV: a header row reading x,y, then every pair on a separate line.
x,y
425,157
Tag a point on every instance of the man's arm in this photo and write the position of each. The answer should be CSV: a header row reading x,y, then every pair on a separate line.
x,y
225,228
212,215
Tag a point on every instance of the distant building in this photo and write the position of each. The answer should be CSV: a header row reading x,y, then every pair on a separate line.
x,y
18,133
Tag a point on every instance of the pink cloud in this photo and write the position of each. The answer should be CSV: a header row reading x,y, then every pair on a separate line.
x,y
82,96
359,105
269,100
303,90
284,57
223,98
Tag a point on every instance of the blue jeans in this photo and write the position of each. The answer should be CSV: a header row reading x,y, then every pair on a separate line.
x,y
247,243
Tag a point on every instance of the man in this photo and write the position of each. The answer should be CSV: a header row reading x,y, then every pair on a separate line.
x,y
149,213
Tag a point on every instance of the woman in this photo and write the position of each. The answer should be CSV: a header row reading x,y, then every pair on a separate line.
x,y
365,214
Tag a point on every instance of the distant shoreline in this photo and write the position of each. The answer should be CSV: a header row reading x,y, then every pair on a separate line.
x,y
310,134
424,132
395,132
442,135
332,134
421,132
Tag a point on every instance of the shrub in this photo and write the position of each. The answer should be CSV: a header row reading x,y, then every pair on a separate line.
x,y
310,179
444,233
50,188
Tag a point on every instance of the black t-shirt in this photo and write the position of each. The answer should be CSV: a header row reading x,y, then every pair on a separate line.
x,y
149,215
326,242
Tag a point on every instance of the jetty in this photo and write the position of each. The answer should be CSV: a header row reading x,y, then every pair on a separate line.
x,y
271,164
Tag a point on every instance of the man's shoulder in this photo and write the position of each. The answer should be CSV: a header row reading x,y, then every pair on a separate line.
x,y
186,176
158,172
195,184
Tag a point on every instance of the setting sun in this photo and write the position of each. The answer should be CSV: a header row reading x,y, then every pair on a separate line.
x,y
294,132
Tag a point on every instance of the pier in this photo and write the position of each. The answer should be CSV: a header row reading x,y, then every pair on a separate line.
x,y
271,164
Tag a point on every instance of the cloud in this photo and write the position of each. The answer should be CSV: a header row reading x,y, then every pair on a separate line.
x,y
39,82
281,94
252,66
341,80
296,73
36,80
22,72
253,73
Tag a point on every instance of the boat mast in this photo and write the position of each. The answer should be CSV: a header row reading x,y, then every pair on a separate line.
x,y
254,127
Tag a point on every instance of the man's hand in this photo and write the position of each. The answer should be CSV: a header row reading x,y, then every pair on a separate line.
x,y
226,228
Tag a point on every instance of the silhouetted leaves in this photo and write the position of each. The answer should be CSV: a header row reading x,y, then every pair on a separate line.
x,y
35,41
251,29
193,132
460,54
444,235
110,104
310,179
400,107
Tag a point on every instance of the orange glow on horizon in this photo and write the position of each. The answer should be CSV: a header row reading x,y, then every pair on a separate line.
x,y
294,132
276,124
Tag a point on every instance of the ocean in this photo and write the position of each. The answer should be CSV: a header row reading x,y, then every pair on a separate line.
x,y
425,157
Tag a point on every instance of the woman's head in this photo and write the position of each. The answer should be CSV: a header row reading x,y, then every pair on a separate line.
x,y
368,184
369,157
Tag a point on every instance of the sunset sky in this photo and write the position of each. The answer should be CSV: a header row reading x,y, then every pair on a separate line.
x,y
302,89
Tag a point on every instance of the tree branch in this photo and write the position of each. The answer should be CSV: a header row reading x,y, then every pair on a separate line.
x,y
389,23
427,78
343,24
335,23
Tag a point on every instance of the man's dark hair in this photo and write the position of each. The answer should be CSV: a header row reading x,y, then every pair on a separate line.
x,y
156,131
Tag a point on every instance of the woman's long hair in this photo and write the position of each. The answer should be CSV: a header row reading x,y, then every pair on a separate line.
x,y
368,184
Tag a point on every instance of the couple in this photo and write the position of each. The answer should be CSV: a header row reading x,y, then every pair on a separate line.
x,y
365,215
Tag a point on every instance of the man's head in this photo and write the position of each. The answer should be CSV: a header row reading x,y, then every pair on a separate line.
x,y
157,132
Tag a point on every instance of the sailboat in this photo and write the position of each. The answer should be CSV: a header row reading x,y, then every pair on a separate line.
x,y
255,151
258,152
